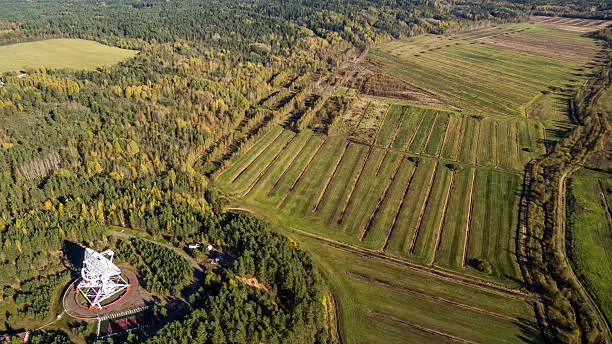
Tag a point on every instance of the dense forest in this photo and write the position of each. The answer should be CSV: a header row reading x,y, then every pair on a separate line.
x,y
132,145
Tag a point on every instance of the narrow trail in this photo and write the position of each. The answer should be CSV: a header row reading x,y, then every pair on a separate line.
x,y
198,272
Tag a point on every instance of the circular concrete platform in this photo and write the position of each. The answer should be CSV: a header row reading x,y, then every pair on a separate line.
x,y
135,297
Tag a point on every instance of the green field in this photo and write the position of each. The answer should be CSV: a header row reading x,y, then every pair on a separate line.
x,y
590,223
469,71
60,53
437,187
389,199
382,302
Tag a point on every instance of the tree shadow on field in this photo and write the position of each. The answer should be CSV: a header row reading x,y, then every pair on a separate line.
x,y
74,254
529,331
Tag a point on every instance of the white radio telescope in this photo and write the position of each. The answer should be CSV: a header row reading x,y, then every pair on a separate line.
x,y
101,278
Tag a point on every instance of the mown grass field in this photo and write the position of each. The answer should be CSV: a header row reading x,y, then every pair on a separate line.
x,y
383,302
60,53
589,225
493,71
434,186
414,206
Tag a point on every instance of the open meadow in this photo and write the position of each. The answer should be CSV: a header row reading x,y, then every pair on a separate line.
x,y
60,53
590,220
382,301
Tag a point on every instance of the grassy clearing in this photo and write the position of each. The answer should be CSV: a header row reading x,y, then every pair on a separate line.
x,y
454,134
493,222
260,165
487,143
483,78
369,190
330,208
410,122
384,218
408,218
437,135
60,53
390,126
280,164
278,191
453,241
420,138
367,288
589,226
303,196
470,144
507,149
429,228
245,159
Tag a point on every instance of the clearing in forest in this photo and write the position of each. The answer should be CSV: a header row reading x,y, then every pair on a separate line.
x,y
60,53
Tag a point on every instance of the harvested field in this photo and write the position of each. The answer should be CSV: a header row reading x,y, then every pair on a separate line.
x,y
350,119
378,84
496,77
495,198
422,185
546,43
570,24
